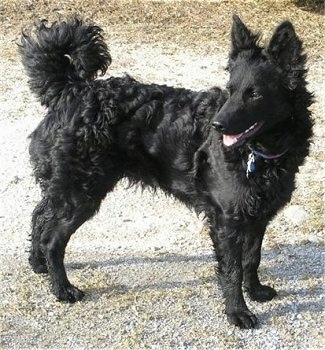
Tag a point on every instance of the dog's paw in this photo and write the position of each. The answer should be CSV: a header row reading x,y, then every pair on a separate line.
x,y
242,319
261,293
69,293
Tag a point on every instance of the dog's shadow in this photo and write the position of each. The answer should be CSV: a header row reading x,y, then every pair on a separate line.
x,y
138,274
296,269
134,260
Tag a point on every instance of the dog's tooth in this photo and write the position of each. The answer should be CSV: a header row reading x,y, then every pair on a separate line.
x,y
250,128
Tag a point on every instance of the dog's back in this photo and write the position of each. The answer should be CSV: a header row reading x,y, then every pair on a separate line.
x,y
148,133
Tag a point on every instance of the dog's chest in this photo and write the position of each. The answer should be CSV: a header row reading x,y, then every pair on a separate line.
x,y
261,194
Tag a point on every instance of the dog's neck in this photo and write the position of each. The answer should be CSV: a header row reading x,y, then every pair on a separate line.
x,y
266,155
271,147
254,155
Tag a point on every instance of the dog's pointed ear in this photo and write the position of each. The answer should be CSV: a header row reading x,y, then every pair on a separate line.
x,y
284,45
241,37
285,50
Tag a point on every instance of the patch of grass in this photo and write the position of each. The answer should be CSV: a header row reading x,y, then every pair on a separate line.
x,y
202,25
310,5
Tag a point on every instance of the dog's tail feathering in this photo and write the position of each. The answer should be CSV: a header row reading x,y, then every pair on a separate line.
x,y
59,55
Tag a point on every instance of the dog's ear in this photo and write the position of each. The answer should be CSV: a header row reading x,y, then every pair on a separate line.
x,y
285,50
241,38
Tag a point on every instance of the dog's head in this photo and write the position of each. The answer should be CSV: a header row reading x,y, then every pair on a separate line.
x,y
262,83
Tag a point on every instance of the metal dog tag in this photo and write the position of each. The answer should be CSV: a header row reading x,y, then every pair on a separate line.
x,y
251,165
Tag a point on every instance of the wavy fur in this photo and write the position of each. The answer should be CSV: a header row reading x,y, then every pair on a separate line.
x,y
193,145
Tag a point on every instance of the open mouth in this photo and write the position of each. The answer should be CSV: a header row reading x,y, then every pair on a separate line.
x,y
230,140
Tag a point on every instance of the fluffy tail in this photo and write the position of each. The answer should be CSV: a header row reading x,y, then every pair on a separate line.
x,y
60,54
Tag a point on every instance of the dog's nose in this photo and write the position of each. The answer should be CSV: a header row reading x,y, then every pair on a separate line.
x,y
218,126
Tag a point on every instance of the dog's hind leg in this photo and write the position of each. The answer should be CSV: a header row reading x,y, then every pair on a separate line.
x,y
36,258
62,219
251,260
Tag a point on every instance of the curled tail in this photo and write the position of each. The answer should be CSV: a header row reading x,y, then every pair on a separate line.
x,y
62,54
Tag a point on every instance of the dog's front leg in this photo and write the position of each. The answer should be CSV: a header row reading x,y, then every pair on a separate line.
x,y
251,258
227,236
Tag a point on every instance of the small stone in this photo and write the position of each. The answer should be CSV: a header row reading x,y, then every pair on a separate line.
x,y
296,214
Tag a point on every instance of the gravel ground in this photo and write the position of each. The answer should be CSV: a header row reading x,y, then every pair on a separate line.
x,y
147,271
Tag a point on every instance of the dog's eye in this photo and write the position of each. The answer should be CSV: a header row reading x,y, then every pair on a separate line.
x,y
253,94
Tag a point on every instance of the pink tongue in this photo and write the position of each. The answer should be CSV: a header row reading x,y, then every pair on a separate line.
x,y
229,140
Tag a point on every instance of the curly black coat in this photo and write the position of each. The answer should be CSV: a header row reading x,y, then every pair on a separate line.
x,y
230,154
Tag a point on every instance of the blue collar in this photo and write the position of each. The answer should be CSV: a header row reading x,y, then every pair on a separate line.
x,y
267,156
251,162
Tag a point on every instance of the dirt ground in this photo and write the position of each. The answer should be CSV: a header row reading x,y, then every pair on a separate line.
x,y
147,271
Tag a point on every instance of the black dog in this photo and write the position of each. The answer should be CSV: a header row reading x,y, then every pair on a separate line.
x,y
230,154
